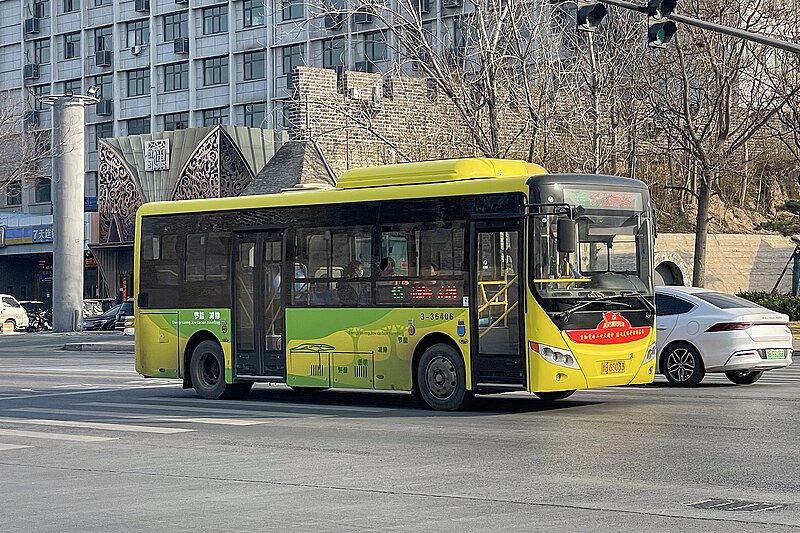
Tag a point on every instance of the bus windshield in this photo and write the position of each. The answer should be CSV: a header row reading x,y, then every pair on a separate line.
x,y
612,255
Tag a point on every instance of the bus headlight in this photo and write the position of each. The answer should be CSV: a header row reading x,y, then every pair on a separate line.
x,y
558,356
650,355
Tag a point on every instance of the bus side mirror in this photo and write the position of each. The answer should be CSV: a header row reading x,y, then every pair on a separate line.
x,y
566,235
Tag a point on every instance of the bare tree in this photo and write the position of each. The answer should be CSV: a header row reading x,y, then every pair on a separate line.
x,y
23,153
710,96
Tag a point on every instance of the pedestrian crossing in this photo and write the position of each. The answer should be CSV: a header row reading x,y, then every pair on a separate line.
x,y
88,422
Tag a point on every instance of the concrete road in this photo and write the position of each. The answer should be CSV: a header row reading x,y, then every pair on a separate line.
x,y
88,445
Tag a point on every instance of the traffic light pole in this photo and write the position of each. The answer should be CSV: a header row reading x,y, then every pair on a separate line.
x,y
726,30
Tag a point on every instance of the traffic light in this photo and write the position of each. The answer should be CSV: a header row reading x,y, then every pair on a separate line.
x,y
659,28
589,15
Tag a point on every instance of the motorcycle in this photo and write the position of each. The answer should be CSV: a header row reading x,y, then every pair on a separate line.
x,y
39,321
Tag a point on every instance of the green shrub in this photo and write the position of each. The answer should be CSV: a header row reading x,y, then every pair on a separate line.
x,y
778,302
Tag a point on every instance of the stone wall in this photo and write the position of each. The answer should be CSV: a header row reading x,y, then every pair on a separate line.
x,y
735,262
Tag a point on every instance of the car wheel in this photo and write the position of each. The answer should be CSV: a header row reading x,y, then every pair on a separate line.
x,y
557,395
743,377
682,365
13,324
207,370
441,378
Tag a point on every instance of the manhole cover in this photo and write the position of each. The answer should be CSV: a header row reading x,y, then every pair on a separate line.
x,y
736,505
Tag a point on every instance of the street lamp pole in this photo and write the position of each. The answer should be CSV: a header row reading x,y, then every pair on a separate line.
x,y
67,151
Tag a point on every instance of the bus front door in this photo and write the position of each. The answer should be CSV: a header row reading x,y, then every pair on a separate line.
x,y
497,359
258,306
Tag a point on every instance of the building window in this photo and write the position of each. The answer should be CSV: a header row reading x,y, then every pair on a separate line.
x,y
103,131
104,38
212,117
71,5
215,20
254,115
375,48
138,32
98,3
73,86
176,121
138,126
41,9
292,9
139,82
176,26
90,185
38,92
41,193
106,85
41,52
253,13
176,77
333,52
14,193
72,45
215,71
255,65
292,57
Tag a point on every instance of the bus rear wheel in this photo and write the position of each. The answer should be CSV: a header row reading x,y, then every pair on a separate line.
x,y
207,370
441,378
555,395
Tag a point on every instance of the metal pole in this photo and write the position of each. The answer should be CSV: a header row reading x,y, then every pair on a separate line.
x,y
719,28
67,149
68,178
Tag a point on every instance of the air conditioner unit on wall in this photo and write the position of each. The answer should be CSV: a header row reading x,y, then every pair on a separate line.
x,y
31,26
31,71
137,49
105,108
181,45
103,58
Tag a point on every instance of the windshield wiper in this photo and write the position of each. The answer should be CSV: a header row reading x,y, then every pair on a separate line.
x,y
564,315
638,295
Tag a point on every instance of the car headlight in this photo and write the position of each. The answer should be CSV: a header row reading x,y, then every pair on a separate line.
x,y
650,355
557,356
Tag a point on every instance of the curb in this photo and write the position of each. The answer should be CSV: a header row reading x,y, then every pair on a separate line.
x,y
99,347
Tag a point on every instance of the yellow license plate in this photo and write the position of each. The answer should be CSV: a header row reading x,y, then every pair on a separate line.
x,y
612,367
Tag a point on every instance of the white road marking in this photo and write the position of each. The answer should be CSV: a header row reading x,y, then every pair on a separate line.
x,y
201,409
145,416
93,425
52,436
5,447
256,403
93,391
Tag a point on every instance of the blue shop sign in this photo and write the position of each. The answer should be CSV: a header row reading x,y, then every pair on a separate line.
x,y
90,204
29,235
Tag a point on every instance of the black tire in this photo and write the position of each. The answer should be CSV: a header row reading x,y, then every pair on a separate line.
x,y
207,370
556,395
441,378
682,365
13,324
744,377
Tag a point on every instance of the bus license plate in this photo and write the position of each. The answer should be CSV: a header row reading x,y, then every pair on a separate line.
x,y
612,367
776,354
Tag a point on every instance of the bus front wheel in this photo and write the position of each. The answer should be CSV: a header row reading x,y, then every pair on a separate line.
x,y
441,378
207,369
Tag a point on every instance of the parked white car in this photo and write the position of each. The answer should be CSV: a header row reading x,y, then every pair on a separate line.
x,y
700,330
12,312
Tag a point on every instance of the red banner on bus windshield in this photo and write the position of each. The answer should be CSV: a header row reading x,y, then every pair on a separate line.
x,y
613,329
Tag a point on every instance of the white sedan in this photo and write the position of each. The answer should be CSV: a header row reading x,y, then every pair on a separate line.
x,y
699,330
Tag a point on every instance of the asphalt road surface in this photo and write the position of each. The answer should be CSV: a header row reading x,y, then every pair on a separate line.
x,y
88,445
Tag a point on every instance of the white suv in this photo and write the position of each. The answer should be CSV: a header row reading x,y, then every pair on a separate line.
x,y
12,312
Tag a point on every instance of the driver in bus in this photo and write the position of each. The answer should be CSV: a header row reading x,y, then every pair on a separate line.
x,y
565,267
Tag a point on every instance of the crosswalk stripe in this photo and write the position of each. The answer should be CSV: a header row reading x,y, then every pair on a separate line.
x,y
257,403
93,425
201,409
52,436
142,416
5,447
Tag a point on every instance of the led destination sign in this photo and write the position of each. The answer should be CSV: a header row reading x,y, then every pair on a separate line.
x,y
604,199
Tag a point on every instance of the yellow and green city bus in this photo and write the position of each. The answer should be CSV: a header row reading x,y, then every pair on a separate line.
x,y
444,278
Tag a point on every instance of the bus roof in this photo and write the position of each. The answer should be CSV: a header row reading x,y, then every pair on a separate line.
x,y
437,172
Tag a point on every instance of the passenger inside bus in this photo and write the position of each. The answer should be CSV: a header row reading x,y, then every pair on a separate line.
x,y
387,267
348,290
